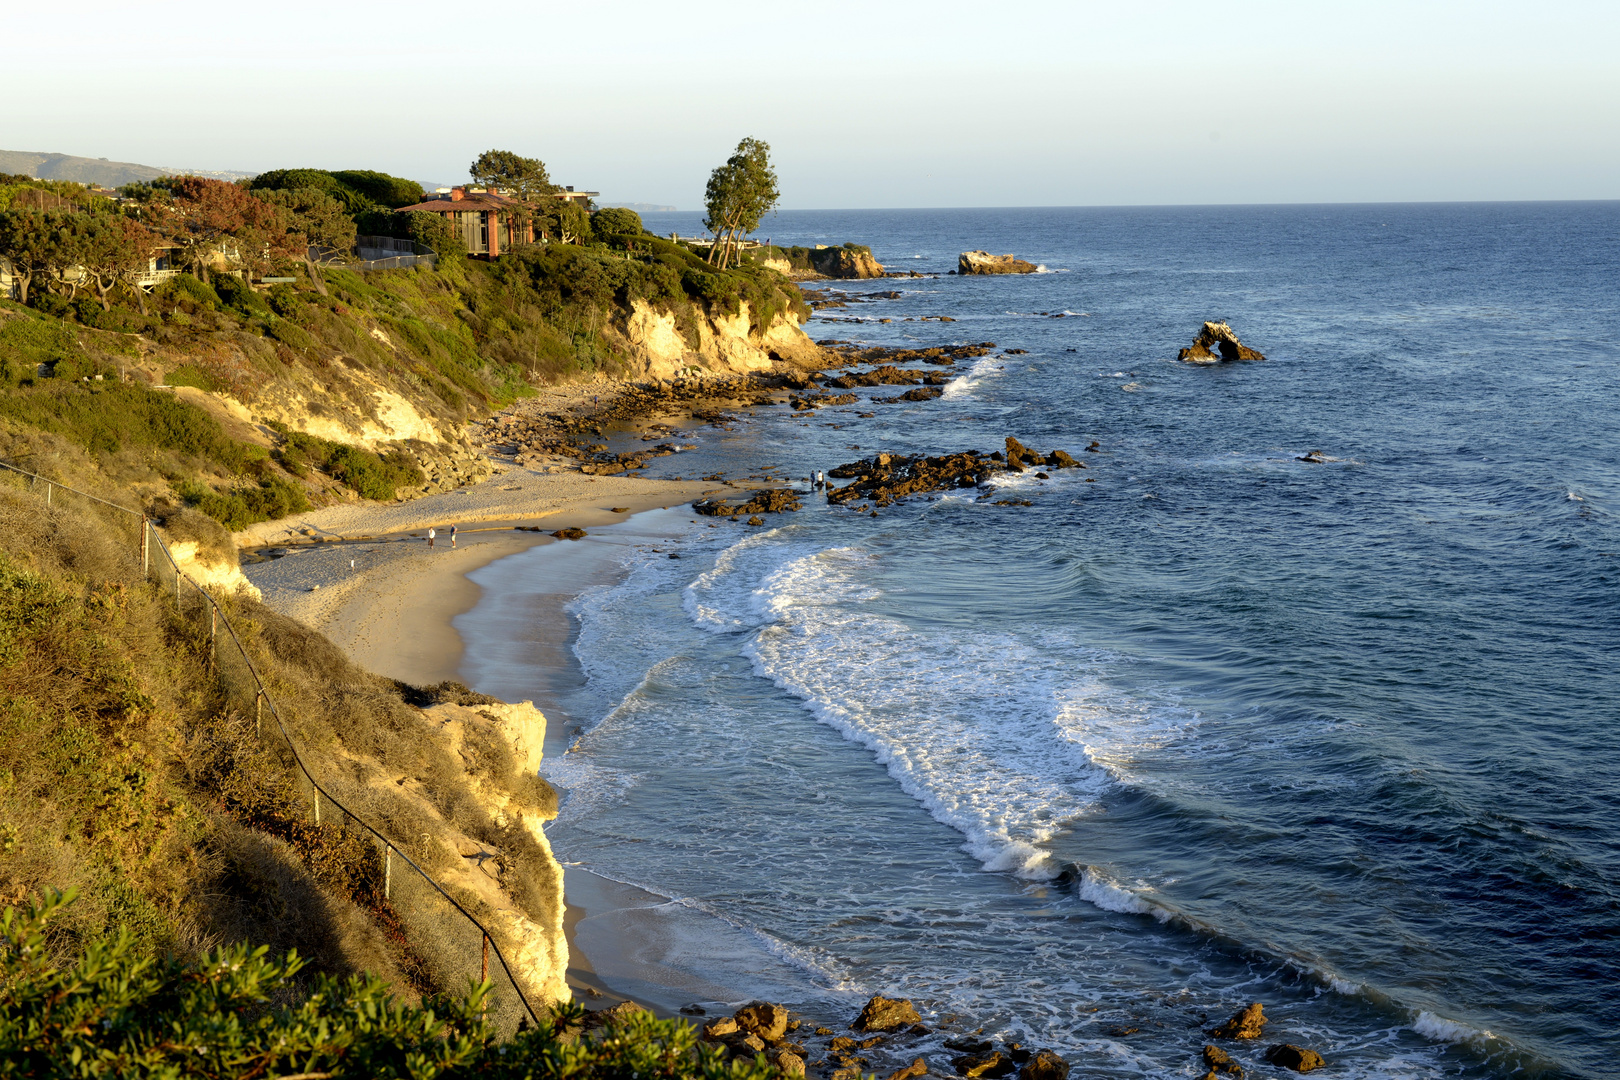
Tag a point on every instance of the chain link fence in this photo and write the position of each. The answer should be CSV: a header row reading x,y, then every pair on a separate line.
x,y
454,946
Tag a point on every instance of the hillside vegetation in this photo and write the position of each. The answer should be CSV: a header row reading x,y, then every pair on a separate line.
x,y
333,385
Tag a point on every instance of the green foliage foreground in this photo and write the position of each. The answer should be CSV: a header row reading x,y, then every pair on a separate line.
x,y
113,1011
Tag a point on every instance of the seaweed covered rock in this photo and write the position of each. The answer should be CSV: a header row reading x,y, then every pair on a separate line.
x,y
1217,342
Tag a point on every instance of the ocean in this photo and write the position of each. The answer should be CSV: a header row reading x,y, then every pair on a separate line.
x,y
1204,724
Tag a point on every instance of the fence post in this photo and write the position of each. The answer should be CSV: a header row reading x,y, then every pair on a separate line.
x,y
145,547
258,713
213,635
48,488
483,973
317,793
388,871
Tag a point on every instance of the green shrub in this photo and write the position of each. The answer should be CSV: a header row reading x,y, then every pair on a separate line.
x,y
110,1010
243,506
290,333
615,221
189,294
57,307
235,292
371,475
380,188
105,418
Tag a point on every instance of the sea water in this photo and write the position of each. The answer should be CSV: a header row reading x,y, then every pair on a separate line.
x,y
1205,723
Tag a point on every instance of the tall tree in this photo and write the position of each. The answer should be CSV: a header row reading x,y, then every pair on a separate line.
x,y
525,178
738,196
29,241
319,218
211,218
110,247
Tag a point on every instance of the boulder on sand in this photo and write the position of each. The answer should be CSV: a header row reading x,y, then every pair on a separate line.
x,y
982,262
1216,342
886,1014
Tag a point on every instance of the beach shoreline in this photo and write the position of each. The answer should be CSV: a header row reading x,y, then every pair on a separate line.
x,y
390,602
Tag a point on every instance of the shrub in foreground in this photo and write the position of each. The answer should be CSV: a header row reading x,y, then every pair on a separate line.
x,y
111,1011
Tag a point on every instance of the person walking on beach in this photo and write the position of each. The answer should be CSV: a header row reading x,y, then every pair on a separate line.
x,y
452,536
431,535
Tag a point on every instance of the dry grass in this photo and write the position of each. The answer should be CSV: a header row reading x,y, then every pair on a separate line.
x,y
130,767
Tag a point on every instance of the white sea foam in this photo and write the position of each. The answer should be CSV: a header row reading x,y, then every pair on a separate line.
x,y
1440,1029
982,368
986,730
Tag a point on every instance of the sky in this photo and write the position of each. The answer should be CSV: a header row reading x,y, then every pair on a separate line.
x,y
865,104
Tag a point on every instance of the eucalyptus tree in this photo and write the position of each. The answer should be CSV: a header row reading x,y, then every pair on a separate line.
x,y
738,196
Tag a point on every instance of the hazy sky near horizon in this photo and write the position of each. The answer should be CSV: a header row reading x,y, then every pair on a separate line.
x,y
873,104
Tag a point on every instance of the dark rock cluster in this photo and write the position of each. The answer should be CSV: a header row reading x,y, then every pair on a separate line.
x,y
1249,1023
769,501
884,478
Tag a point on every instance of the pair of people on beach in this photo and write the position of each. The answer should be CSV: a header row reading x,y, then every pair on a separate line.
x,y
432,533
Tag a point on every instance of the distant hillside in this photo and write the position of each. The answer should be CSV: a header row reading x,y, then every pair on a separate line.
x,y
640,207
83,170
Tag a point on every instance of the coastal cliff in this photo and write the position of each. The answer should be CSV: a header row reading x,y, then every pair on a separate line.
x,y
719,343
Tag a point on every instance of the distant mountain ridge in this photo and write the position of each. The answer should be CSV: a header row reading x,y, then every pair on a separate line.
x,y
83,170
638,207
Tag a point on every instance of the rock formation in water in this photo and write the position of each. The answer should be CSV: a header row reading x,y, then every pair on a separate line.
x,y
982,262
846,262
1289,1056
1244,1024
1216,342
886,1014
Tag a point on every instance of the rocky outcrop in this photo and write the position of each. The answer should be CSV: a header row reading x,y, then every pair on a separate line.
x,y
886,1014
1045,1065
846,262
1246,1023
656,347
1217,342
1289,1056
982,262
771,501
887,477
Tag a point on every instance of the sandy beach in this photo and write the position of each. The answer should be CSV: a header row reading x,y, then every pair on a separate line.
x,y
390,601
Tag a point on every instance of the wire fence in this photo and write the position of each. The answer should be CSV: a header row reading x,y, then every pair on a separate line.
x,y
451,943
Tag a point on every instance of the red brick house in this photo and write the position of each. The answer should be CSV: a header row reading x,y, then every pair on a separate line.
x,y
489,222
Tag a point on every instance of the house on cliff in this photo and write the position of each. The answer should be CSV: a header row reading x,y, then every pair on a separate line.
x,y
489,222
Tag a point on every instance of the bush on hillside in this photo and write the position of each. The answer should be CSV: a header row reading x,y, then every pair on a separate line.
x,y
108,1011
105,418
371,475
236,293
242,506
189,294
615,221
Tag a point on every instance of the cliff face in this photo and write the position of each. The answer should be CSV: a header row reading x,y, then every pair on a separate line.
x,y
518,881
725,343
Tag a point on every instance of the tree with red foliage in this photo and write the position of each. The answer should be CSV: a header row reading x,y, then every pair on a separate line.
x,y
213,220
